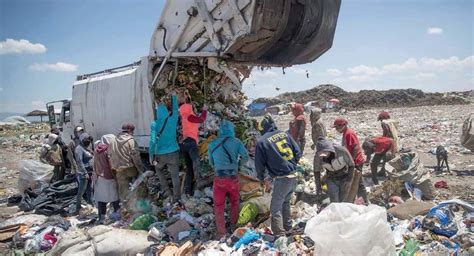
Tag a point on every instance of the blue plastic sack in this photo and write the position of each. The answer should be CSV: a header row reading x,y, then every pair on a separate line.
x,y
440,221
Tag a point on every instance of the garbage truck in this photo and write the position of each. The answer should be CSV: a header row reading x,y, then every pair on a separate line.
x,y
216,41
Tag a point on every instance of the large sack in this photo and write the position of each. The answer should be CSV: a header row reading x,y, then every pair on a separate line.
x,y
101,240
33,173
408,168
249,187
349,229
467,135
410,209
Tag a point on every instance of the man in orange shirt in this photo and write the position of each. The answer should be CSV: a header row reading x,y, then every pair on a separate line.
x,y
351,142
383,149
189,143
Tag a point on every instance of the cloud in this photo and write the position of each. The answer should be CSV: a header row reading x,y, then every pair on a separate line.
x,y
58,66
364,70
12,46
334,72
1,89
424,76
38,104
434,31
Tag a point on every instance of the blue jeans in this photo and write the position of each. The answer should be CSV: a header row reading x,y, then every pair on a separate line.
x,y
280,205
84,188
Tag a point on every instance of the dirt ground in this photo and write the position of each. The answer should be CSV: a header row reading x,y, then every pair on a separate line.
x,y
421,129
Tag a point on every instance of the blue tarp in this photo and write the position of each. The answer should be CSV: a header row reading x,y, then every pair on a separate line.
x,y
257,106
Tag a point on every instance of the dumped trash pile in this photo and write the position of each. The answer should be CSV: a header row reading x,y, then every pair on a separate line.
x,y
369,98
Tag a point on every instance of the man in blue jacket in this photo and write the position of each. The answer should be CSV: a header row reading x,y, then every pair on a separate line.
x,y
164,150
224,153
278,153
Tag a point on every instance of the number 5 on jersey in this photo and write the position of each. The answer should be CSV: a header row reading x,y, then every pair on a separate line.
x,y
284,149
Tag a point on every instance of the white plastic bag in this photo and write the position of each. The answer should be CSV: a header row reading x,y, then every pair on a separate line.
x,y
32,173
349,229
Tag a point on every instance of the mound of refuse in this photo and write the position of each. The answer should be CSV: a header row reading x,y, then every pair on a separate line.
x,y
369,98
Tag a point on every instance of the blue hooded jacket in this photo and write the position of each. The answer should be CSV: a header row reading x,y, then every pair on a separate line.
x,y
166,143
227,163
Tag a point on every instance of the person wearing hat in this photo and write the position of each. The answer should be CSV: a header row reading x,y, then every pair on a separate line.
x,y
277,152
84,170
383,149
125,159
164,149
298,125
226,154
339,166
105,187
353,146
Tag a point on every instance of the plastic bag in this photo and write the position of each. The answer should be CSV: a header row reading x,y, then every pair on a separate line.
x,y
33,173
348,229
440,220
143,222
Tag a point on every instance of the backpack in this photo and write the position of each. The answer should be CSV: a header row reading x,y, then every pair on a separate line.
x,y
467,136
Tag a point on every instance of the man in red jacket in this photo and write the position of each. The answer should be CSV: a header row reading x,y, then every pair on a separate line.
x,y
383,149
351,142
298,125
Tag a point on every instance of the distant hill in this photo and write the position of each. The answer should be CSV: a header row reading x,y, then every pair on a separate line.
x,y
370,98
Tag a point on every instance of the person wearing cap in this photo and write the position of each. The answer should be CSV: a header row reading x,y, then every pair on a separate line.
x,y
163,148
84,170
125,159
298,125
105,187
353,146
339,166
189,143
383,149
277,152
226,154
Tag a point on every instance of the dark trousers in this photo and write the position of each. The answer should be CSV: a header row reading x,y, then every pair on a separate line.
x,y
376,160
102,206
338,187
58,173
190,152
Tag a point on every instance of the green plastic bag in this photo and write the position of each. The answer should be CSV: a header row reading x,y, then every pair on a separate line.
x,y
248,213
410,249
143,222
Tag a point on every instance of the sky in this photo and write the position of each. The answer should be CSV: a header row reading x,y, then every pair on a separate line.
x,y
379,44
